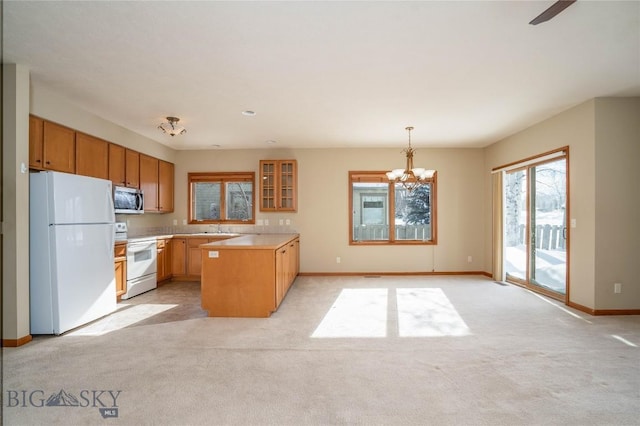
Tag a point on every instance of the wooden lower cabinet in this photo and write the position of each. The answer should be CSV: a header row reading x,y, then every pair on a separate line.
x,y
248,282
179,257
120,258
186,256
165,259
194,256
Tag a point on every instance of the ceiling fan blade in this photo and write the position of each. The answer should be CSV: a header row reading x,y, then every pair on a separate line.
x,y
555,8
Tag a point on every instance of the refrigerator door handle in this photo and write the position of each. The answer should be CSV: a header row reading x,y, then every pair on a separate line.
x,y
112,243
112,209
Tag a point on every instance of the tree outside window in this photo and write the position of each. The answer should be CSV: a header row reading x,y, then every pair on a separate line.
x,y
374,200
221,197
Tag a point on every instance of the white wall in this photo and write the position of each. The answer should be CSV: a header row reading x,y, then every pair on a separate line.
x,y
603,136
617,208
19,100
322,217
464,196
15,202
51,106
323,205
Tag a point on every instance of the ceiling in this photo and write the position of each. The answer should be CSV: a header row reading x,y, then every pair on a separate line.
x,y
326,73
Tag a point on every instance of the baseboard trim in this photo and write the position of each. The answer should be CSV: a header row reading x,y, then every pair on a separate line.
x,y
14,343
603,312
617,312
580,307
368,274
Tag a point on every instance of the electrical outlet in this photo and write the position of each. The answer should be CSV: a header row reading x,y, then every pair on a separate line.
x,y
259,222
617,288
175,222
338,259
281,222
266,222
184,221
287,222
469,259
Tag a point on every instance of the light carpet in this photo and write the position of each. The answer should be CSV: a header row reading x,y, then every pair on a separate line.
x,y
339,351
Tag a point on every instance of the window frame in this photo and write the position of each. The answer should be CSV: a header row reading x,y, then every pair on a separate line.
x,y
223,178
381,177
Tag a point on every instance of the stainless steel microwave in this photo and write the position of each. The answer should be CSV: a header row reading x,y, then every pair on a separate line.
x,y
128,200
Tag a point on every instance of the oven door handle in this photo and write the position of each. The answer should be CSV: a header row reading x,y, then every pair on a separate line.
x,y
136,248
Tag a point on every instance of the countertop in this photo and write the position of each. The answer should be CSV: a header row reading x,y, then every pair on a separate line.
x,y
228,241
252,241
169,236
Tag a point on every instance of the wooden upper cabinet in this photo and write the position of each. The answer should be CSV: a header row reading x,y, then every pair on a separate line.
x,y
149,182
51,146
92,156
124,166
132,168
36,132
278,185
117,169
165,186
59,148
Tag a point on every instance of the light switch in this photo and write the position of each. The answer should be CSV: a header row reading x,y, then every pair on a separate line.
x,y
573,223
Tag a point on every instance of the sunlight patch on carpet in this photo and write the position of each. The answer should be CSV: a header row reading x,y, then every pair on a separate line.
x,y
127,315
427,312
356,313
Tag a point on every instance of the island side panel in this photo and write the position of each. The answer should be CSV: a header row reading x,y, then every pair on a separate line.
x,y
238,283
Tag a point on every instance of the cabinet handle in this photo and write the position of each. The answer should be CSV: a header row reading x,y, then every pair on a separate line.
x,y
48,162
38,161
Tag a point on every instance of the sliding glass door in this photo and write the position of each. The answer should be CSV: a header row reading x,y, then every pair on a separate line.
x,y
515,225
535,226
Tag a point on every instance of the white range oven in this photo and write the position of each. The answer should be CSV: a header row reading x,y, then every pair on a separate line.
x,y
142,275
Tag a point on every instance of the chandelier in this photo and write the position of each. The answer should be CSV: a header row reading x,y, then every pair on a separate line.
x,y
410,177
172,127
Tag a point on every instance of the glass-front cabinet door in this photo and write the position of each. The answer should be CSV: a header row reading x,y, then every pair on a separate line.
x,y
278,185
267,185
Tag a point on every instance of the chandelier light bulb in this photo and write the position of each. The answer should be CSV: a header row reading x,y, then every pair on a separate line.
x,y
410,177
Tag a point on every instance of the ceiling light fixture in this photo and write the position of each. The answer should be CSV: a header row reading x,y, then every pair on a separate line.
x,y
410,177
172,127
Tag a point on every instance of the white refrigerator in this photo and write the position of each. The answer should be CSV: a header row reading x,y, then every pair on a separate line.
x,y
72,278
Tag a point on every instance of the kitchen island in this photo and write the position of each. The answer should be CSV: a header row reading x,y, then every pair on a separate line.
x,y
248,276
